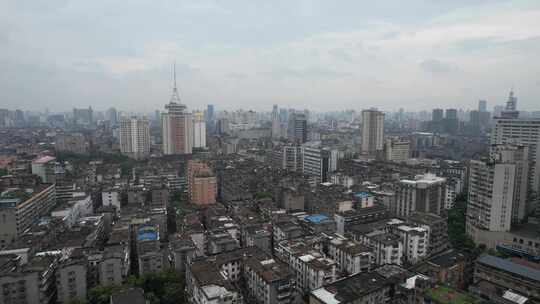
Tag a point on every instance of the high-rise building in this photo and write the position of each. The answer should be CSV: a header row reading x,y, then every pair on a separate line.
x,y
451,114
288,157
44,167
372,132
83,116
283,115
438,115
497,111
496,193
451,121
482,105
276,124
425,193
511,107
176,126
297,127
199,130
397,149
71,142
518,155
474,118
210,119
209,113
525,132
490,195
135,137
202,183
318,162
112,116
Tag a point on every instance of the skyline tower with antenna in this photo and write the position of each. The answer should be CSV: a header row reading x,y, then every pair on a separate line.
x,y
511,106
176,125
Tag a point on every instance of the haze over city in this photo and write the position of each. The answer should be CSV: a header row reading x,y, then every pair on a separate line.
x,y
276,152
319,55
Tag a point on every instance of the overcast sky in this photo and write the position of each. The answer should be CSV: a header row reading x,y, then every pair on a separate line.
x,y
321,55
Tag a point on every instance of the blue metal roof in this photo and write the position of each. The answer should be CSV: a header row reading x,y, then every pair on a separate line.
x,y
509,266
316,218
147,233
361,194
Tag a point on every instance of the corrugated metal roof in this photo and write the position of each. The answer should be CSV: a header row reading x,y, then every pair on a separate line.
x,y
510,266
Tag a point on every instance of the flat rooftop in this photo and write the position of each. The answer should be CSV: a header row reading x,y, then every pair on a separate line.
x,y
349,289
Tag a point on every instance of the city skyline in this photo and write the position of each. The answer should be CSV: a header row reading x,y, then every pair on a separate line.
x,y
424,55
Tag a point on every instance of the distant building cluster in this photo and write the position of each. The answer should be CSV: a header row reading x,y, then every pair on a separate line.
x,y
284,206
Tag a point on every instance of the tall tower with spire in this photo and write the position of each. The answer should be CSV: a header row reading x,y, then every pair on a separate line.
x,y
511,107
176,124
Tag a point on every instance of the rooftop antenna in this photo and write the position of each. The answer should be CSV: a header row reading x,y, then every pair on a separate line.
x,y
175,95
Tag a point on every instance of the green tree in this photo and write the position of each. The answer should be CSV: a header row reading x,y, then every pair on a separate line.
x,y
261,195
102,294
166,287
457,225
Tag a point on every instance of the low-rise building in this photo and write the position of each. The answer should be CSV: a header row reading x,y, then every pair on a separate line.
x,y
351,256
359,216
71,142
447,268
415,242
286,230
44,167
72,210
182,252
205,284
31,283
437,227
20,208
258,236
317,223
71,277
493,272
311,268
150,257
387,247
111,197
368,287
269,281
220,241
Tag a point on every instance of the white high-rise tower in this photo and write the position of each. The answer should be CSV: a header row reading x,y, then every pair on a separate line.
x,y
135,137
372,132
199,130
177,126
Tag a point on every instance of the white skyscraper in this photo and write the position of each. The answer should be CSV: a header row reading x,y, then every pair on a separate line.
x,y
491,187
525,132
199,130
425,193
372,132
519,156
177,126
135,137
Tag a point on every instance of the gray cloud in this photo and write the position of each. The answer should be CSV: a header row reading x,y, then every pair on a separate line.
x,y
341,54
435,66
307,73
105,52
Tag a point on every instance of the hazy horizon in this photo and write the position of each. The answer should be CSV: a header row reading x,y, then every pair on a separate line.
x,y
317,55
